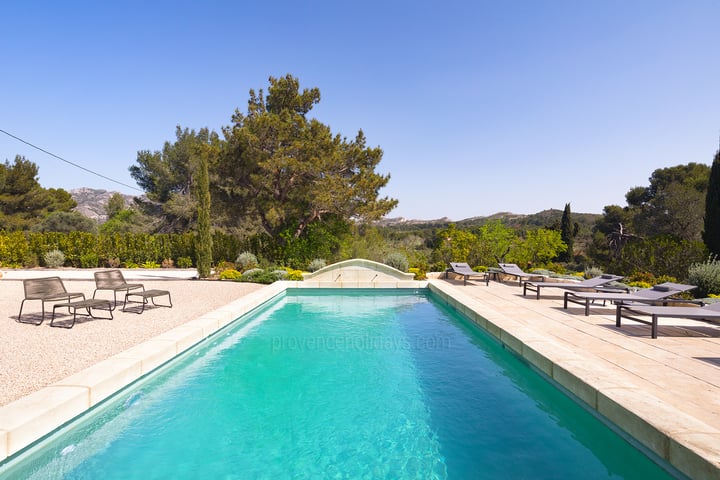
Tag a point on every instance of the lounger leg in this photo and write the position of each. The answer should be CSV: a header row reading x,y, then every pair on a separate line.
x,y
159,305
42,318
52,319
618,315
654,326
587,307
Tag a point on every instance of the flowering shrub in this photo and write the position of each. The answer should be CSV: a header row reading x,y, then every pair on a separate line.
x,y
230,274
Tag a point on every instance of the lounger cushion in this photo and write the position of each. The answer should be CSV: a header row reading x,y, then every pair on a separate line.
x,y
662,288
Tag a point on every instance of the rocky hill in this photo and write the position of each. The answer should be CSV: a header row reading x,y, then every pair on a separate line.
x,y
91,202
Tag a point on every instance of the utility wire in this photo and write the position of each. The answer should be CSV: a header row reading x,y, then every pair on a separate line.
x,y
69,162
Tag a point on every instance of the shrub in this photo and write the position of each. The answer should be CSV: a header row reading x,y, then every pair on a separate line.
x,y
184,262
89,260
258,275
54,258
222,266
113,262
592,272
281,274
419,274
706,276
167,263
480,269
230,274
317,264
150,264
397,260
294,275
246,261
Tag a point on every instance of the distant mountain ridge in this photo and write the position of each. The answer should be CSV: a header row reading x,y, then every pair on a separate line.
x,y
92,202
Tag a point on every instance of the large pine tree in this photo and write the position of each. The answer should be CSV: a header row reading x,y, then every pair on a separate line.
x,y
711,234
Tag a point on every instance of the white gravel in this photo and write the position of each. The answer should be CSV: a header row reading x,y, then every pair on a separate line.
x,y
33,357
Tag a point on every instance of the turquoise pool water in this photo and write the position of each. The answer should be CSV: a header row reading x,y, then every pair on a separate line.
x,y
340,385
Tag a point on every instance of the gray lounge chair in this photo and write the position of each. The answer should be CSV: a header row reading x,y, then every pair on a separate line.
x,y
658,293
709,312
515,271
467,272
115,281
591,283
47,289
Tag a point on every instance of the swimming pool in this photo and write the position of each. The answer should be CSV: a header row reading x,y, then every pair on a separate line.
x,y
350,384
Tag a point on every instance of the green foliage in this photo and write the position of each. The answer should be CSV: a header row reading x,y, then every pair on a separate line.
x,y
23,202
455,245
89,260
294,275
184,262
115,205
66,222
129,220
168,177
317,264
288,171
661,255
246,261
363,241
54,258
150,264
230,274
540,246
567,234
706,275
592,272
419,273
711,231
202,193
397,260
257,275
495,241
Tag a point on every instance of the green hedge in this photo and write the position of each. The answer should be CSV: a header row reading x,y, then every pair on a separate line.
x,y
83,250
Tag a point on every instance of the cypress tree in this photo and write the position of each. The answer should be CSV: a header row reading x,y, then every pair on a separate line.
x,y
711,234
204,236
567,234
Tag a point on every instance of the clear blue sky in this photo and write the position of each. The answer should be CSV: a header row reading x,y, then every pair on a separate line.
x,y
479,106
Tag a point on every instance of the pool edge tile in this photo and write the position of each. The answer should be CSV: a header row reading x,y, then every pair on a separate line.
x,y
105,378
51,407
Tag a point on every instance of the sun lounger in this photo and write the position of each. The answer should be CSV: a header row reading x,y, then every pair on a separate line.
x,y
47,289
709,312
467,272
658,293
515,271
591,283
115,281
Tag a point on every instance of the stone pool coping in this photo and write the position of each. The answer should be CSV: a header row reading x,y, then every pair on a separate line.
x,y
684,441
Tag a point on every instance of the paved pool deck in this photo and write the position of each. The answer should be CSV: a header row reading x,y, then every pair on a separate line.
x,y
665,392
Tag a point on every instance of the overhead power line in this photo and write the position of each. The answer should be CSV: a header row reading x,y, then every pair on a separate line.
x,y
69,162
